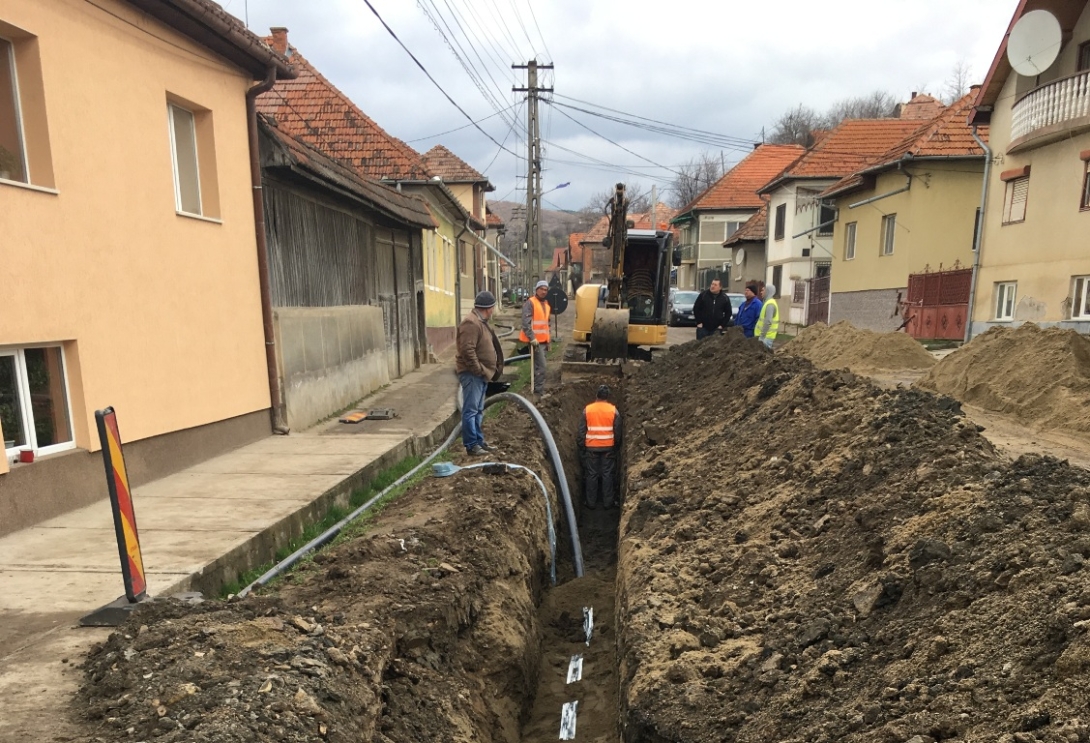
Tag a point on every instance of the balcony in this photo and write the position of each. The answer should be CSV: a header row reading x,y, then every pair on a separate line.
x,y
1051,112
688,254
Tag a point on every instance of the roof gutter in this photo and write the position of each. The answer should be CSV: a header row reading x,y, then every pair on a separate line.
x,y
484,242
275,409
979,242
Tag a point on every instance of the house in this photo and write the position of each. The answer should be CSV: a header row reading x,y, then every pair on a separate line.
x,y
747,248
470,188
346,254
1034,261
131,244
720,210
912,212
800,230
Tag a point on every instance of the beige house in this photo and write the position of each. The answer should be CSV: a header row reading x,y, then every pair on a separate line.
x,y
911,211
131,252
1035,253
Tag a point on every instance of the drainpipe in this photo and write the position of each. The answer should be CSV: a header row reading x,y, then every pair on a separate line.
x,y
275,411
979,242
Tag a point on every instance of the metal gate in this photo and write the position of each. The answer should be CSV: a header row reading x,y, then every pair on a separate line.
x,y
818,306
937,306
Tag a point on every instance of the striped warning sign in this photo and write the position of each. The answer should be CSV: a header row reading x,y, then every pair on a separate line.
x,y
117,480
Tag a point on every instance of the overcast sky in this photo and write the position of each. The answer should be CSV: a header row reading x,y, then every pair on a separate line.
x,y
724,67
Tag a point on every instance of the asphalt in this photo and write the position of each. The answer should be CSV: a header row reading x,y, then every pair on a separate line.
x,y
199,529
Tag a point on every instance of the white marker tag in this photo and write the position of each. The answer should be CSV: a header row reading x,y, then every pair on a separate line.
x,y
588,622
575,669
567,721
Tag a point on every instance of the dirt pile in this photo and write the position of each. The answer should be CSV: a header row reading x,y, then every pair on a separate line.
x,y
1041,376
421,629
807,557
845,346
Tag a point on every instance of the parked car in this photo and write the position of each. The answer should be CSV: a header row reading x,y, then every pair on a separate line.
x,y
681,308
736,301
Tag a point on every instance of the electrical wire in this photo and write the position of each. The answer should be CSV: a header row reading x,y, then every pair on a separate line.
x,y
544,43
432,79
460,128
618,144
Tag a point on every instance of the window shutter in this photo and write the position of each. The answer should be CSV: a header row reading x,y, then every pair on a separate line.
x,y
1017,194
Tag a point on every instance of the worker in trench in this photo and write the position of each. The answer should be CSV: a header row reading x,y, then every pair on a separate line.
x,y
599,443
535,331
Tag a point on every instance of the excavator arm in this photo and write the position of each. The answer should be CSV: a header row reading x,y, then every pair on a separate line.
x,y
609,335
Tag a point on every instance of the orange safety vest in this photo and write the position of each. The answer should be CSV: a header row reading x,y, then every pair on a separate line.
x,y
541,322
600,418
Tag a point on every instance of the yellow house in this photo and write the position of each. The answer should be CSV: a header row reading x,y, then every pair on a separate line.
x,y
1035,253
130,253
912,211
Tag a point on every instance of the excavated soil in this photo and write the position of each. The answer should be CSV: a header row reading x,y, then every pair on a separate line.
x,y
845,346
1041,376
807,557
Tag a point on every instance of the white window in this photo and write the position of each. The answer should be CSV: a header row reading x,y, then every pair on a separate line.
x,y
13,165
733,227
849,241
1014,200
34,407
889,232
1004,300
1080,305
183,145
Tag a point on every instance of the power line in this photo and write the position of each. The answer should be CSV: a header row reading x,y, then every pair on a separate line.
x,y
429,76
460,128
617,144
533,15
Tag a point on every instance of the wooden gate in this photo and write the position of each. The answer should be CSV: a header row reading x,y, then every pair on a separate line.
x,y
937,306
818,306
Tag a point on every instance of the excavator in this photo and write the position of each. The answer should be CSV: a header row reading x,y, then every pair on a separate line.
x,y
625,317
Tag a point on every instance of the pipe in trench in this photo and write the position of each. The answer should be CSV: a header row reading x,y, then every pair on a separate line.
x,y
331,533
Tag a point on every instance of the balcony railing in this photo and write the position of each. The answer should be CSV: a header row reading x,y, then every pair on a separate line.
x,y
1053,108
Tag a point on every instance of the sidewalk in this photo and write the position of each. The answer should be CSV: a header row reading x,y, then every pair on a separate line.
x,y
199,528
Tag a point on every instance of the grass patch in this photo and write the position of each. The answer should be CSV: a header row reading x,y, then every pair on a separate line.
x,y
359,526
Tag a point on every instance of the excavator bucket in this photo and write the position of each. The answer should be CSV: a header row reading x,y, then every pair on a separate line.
x,y
609,335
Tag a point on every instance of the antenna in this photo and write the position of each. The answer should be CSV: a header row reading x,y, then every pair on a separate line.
x,y
1034,43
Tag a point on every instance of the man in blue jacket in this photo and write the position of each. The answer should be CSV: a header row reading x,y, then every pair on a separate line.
x,y
750,311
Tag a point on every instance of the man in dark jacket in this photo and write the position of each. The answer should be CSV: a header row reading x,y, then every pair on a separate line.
x,y
712,310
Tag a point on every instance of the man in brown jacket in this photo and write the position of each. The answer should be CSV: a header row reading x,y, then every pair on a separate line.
x,y
479,361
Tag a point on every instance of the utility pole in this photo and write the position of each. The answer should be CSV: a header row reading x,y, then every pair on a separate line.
x,y
533,164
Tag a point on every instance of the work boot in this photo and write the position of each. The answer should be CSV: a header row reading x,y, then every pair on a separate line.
x,y
490,449
476,451
590,506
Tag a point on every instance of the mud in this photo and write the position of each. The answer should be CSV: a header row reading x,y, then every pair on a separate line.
x,y
807,557
1041,376
844,346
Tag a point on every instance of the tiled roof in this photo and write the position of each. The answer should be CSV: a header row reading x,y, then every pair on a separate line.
x,y
311,109
737,189
1066,11
846,149
300,156
640,221
575,246
754,230
442,162
947,135
597,232
492,219
558,259
922,107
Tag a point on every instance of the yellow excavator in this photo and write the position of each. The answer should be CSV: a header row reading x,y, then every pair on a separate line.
x,y
625,317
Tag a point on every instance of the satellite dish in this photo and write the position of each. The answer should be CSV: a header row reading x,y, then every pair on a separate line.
x,y
1034,43
740,256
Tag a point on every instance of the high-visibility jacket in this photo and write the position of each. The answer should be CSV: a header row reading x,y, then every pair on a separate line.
x,y
541,321
771,327
601,416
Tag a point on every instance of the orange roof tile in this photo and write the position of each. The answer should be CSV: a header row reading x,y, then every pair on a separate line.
x,y
597,232
575,246
754,230
737,189
492,219
947,135
847,148
451,168
314,111
921,107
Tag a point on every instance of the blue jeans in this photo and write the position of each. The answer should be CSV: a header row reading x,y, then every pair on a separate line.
x,y
702,333
473,389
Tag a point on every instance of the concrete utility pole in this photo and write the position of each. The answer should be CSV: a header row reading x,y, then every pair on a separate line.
x,y
533,164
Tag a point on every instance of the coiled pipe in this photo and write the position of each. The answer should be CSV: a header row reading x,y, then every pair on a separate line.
x,y
558,468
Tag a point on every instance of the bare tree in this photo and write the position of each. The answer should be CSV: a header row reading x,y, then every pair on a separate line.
x,y
694,177
797,126
957,82
639,200
876,105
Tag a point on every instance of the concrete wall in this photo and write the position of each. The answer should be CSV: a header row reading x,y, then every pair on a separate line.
x,y
935,222
871,310
1045,251
330,357
159,313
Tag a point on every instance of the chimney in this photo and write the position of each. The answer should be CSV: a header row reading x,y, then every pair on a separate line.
x,y
914,93
280,40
